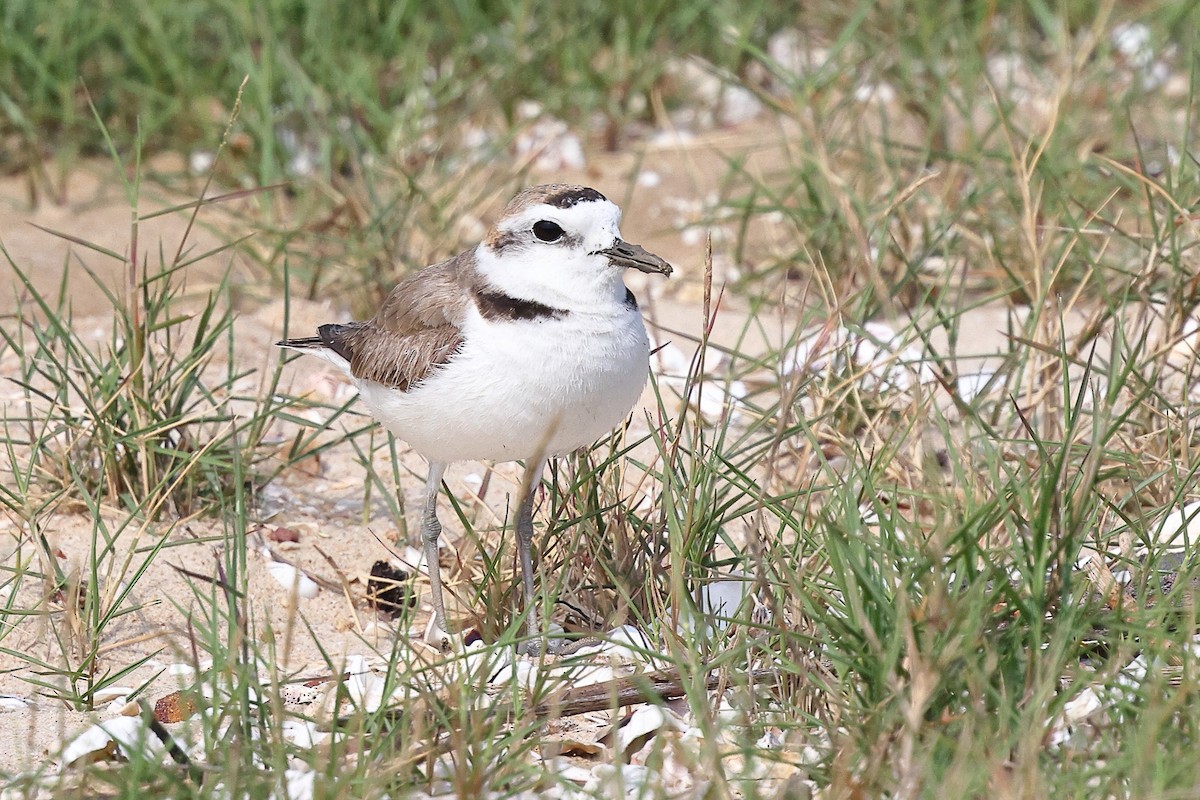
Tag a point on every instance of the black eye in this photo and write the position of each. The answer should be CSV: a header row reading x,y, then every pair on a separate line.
x,y
547,231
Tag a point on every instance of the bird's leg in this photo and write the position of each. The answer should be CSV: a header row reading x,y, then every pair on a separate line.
x,y
529,485
431,529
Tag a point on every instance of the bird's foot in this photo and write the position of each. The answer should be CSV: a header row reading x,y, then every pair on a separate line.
x,y
440,638
531,647
549,642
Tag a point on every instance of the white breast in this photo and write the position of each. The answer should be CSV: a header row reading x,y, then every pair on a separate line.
x,y
520,388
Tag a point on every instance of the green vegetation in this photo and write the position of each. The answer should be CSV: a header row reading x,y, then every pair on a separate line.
x,y
954,572
348,78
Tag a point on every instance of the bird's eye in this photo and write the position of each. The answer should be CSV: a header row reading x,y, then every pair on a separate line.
x,y
547,231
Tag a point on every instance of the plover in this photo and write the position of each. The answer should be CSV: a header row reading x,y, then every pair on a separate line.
x,y
526,347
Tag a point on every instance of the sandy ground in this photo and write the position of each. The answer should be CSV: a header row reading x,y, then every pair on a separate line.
x,y
322,500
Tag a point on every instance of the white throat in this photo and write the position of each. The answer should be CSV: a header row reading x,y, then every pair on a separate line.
x,y
567,279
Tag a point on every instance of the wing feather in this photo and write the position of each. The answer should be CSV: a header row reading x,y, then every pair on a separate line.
x,y
417,329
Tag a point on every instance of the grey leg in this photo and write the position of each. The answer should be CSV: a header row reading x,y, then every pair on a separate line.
x,y
529,485
431,529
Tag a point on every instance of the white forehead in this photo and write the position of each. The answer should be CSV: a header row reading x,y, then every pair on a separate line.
x,y
587,217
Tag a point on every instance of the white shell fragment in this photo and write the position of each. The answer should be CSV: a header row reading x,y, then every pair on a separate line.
x,y
291,578
503,669
713,396
566,771
299,784
719,603
1178,529
10,702
713,98
547,141
624,645
124,736
723,598
201,161
974,384
109,693
648,179
1133,41
644,722
481,661
623,780
363,686
875,354
302,733
579,675
1082,705
1077,711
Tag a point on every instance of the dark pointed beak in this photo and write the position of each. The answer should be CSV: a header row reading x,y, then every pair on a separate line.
x,y
624,254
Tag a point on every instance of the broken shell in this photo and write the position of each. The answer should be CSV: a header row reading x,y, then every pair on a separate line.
x,y
363,686
10,702
642,725
124,736
624,645
293,579
1180,528
302,733
107,694
298,783
617,780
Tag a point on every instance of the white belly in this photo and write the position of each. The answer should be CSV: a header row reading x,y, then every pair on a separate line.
x,y
520,388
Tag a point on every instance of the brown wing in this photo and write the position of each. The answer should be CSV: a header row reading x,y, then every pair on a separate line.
x,y
418,327
432,298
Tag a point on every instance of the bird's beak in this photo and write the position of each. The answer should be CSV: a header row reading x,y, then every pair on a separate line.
x,y
624,254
